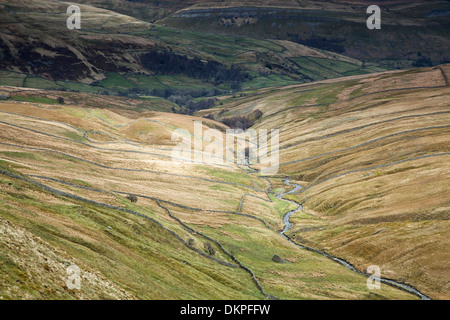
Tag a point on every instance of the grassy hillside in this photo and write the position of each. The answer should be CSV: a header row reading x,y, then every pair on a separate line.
x,y
317,42
372,155
65,174
413,32
86,170
108,55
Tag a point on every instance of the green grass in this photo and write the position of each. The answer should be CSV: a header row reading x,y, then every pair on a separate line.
x,y
20,155
235,177
255,247
79,113
325,94
147,261
339,67
81,87
321,68
42,100
75,136
318,71
129,251
281,207
105,116
81,183
155,104
273,80
11,78
40,83
225,48
183,82
115,81
146,81
118,82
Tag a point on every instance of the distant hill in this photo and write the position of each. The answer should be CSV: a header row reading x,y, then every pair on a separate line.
x,y
371,153
414,33
118,54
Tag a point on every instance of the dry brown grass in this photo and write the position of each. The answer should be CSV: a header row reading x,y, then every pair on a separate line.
x,y
394,216
245,237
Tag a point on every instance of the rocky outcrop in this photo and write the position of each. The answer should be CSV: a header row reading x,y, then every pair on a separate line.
x,y
278,259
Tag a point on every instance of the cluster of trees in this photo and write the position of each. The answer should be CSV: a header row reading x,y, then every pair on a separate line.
x,y
200,105
186,98
243,122
318,42
166,93
423,62
189,103
165,62
132,198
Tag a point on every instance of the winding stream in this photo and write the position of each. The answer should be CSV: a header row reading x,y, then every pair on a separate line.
x,y
288,226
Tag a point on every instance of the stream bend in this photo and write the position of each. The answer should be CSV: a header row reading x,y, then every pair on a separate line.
x,y
288,226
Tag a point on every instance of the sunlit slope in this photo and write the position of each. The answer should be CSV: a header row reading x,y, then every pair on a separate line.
x,y
66,172
373,156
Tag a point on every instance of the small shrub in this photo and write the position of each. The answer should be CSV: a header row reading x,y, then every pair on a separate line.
x,y
209,249
278,259
132,198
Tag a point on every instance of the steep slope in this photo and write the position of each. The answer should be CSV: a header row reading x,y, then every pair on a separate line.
x,y
413,32
372,154
115,41
65,174
119,54
35,40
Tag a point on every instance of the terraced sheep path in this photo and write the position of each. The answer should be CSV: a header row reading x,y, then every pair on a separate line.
x,y
366,143
352,98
